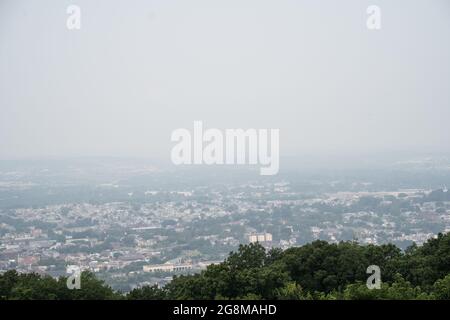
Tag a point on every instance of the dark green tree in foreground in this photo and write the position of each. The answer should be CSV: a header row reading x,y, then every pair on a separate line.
x,y
318,270
32,286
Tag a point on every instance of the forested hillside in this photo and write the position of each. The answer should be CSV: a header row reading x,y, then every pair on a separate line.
x,y
319,270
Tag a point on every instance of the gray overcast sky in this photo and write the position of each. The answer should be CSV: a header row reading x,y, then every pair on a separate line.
x,y
139,69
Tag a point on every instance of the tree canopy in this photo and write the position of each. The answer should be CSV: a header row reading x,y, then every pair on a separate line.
x,y
318,270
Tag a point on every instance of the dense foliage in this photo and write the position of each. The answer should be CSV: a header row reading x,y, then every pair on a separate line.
x,y
32,286
314,271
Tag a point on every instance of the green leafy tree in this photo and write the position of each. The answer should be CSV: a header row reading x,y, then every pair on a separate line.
x,y
442,288
147,293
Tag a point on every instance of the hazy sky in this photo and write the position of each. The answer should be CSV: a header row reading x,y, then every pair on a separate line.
x,y
139,69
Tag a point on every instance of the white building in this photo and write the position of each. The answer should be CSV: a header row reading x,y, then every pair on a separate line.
x,y
168,267
260,237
